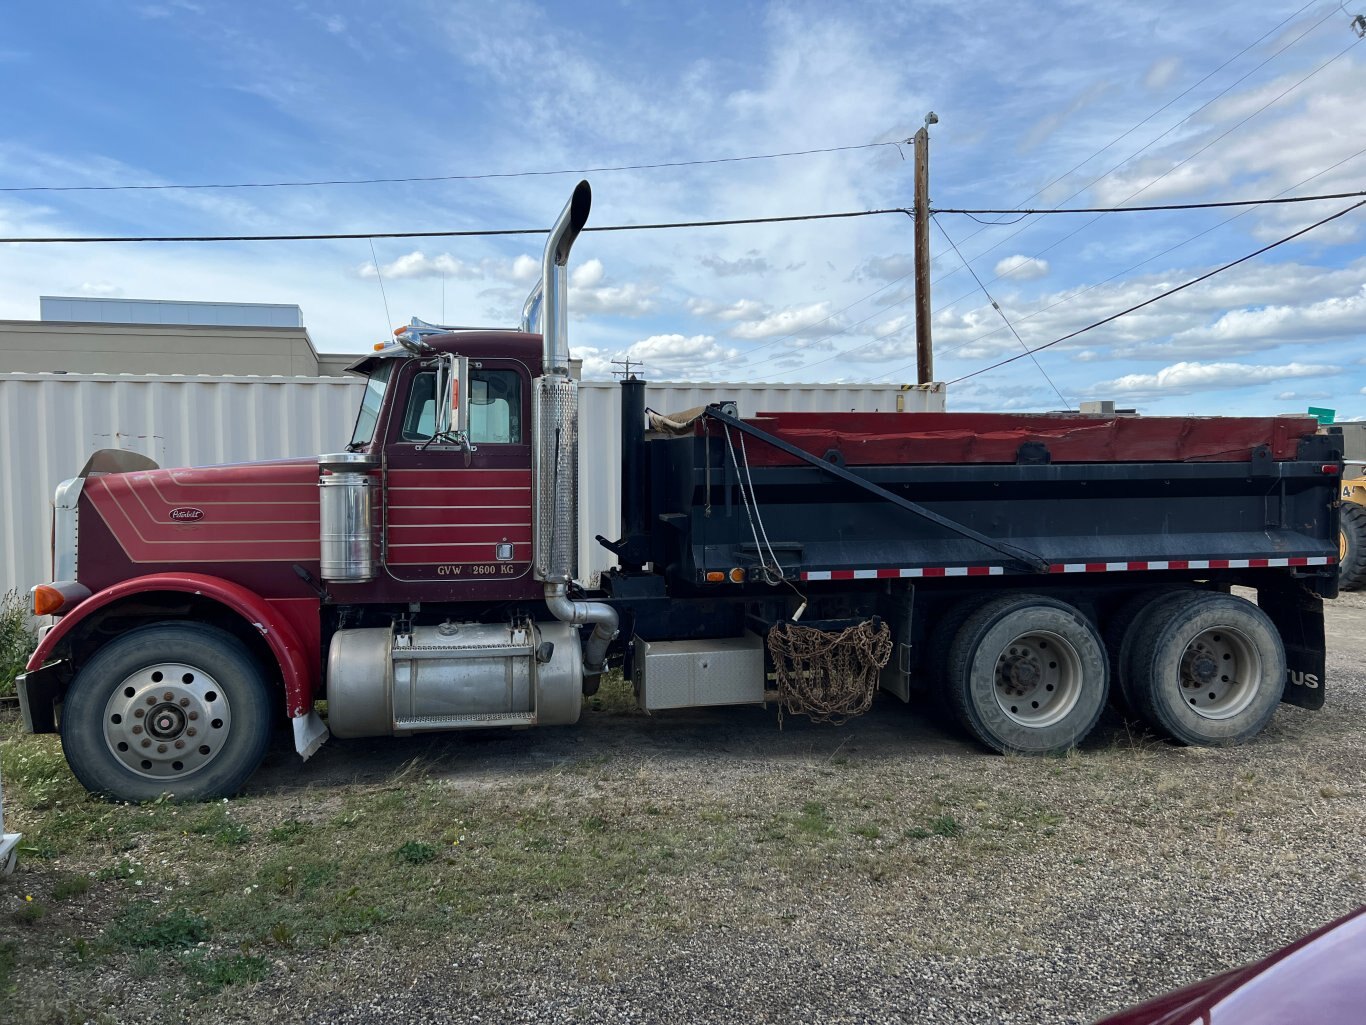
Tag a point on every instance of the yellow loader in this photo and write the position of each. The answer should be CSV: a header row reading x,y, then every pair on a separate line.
x,y
1352,521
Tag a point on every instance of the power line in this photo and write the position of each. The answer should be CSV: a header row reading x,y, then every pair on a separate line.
x,y
1118,274
788,218
441,177
1147,209
1080,228
997,307
1173,128
474,233
1163,295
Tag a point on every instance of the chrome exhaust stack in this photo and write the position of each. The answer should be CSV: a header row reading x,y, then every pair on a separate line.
x,y
556,439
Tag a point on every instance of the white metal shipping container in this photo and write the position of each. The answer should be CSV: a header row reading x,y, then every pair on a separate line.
x,y
52,423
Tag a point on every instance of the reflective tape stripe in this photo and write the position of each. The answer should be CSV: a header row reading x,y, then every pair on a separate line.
x,y
1069,567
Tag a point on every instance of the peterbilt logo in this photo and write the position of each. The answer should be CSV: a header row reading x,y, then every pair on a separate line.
x,y
187,513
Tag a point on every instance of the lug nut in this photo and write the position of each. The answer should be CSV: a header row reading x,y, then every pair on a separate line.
x,y
161,749
137,729
194,716
146,743
190,732
168,696
151,699
179,744
138,713
184,702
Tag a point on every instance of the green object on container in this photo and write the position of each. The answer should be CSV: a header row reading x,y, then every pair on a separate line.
x,y
1325,416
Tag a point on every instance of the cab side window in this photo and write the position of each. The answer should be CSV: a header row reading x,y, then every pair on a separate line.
x,y
495,408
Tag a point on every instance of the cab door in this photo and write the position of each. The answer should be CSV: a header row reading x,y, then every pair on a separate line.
x,y
458,523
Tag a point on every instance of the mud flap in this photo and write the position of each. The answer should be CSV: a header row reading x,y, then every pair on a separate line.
x,y
38,691
1298,615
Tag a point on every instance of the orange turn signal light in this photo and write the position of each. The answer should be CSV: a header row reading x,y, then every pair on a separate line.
x,y
737,575
380,345
47,600
715,576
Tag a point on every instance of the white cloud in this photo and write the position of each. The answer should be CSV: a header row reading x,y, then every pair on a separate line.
x,y
676,356
887,268
525,269
1161,73
1185,378
99,288
630,300
1021,268
750,263
741,309
587,274
809,319
418,265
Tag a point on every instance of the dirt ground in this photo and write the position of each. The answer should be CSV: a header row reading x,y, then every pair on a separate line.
x,y
699,866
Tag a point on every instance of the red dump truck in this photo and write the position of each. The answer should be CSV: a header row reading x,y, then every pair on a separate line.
x,y
1022,570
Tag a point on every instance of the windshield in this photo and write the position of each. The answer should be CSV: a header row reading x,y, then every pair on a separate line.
x,y
369,407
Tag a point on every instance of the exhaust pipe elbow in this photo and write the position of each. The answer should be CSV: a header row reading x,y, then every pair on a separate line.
x,y
580,613
554,289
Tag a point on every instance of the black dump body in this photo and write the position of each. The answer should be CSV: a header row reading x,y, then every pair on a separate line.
x,y
1221,502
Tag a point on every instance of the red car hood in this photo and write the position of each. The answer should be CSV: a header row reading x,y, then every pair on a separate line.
x,y
1318,980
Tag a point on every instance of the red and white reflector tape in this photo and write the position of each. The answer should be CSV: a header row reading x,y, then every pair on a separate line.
x,y
1068,567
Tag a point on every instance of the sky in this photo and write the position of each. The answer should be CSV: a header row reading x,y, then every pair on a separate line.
x,y
1039,105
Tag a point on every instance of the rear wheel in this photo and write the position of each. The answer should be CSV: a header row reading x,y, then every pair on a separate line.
x,y
1120,631
177,708
1208,668
1028,674
1352,547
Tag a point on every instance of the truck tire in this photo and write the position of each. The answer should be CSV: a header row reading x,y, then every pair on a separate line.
x,y
1207,668
1028,675
175,708
1352,547
1119,633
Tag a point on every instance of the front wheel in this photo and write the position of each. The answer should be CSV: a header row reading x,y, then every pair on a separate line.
x,y
176,708
1208,668
1028,674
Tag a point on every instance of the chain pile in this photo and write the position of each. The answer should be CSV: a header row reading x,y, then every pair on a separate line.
x,y
828,676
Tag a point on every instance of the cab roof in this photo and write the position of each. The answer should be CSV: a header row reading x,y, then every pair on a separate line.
x,y
486,343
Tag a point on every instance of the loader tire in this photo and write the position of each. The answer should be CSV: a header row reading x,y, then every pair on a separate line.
x,y
1352,547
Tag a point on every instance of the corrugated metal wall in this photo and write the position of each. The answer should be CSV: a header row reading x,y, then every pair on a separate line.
x,y
51,424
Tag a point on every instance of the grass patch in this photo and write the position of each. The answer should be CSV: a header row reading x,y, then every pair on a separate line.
x,y
616,696
946,825
215,973
17,638
416,853
69,886
142,926
9,962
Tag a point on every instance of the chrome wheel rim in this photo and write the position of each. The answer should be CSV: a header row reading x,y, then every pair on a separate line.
x,y
1220,673
1038,679
167,721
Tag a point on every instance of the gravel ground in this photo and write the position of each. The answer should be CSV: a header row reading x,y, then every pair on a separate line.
x,y
1070,887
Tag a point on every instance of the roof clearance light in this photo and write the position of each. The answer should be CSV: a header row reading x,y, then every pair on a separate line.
x,y
380,345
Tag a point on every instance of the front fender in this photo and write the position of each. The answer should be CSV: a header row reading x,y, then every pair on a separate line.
x,y
278,633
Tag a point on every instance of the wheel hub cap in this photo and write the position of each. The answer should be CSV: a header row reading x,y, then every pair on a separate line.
x,y
1038,679
167,721
1220,673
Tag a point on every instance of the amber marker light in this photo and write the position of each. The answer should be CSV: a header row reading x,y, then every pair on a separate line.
x,y
46,600
737,575
380,345
715,576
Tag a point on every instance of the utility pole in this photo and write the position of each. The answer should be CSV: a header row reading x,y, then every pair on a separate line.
x,y
924,346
